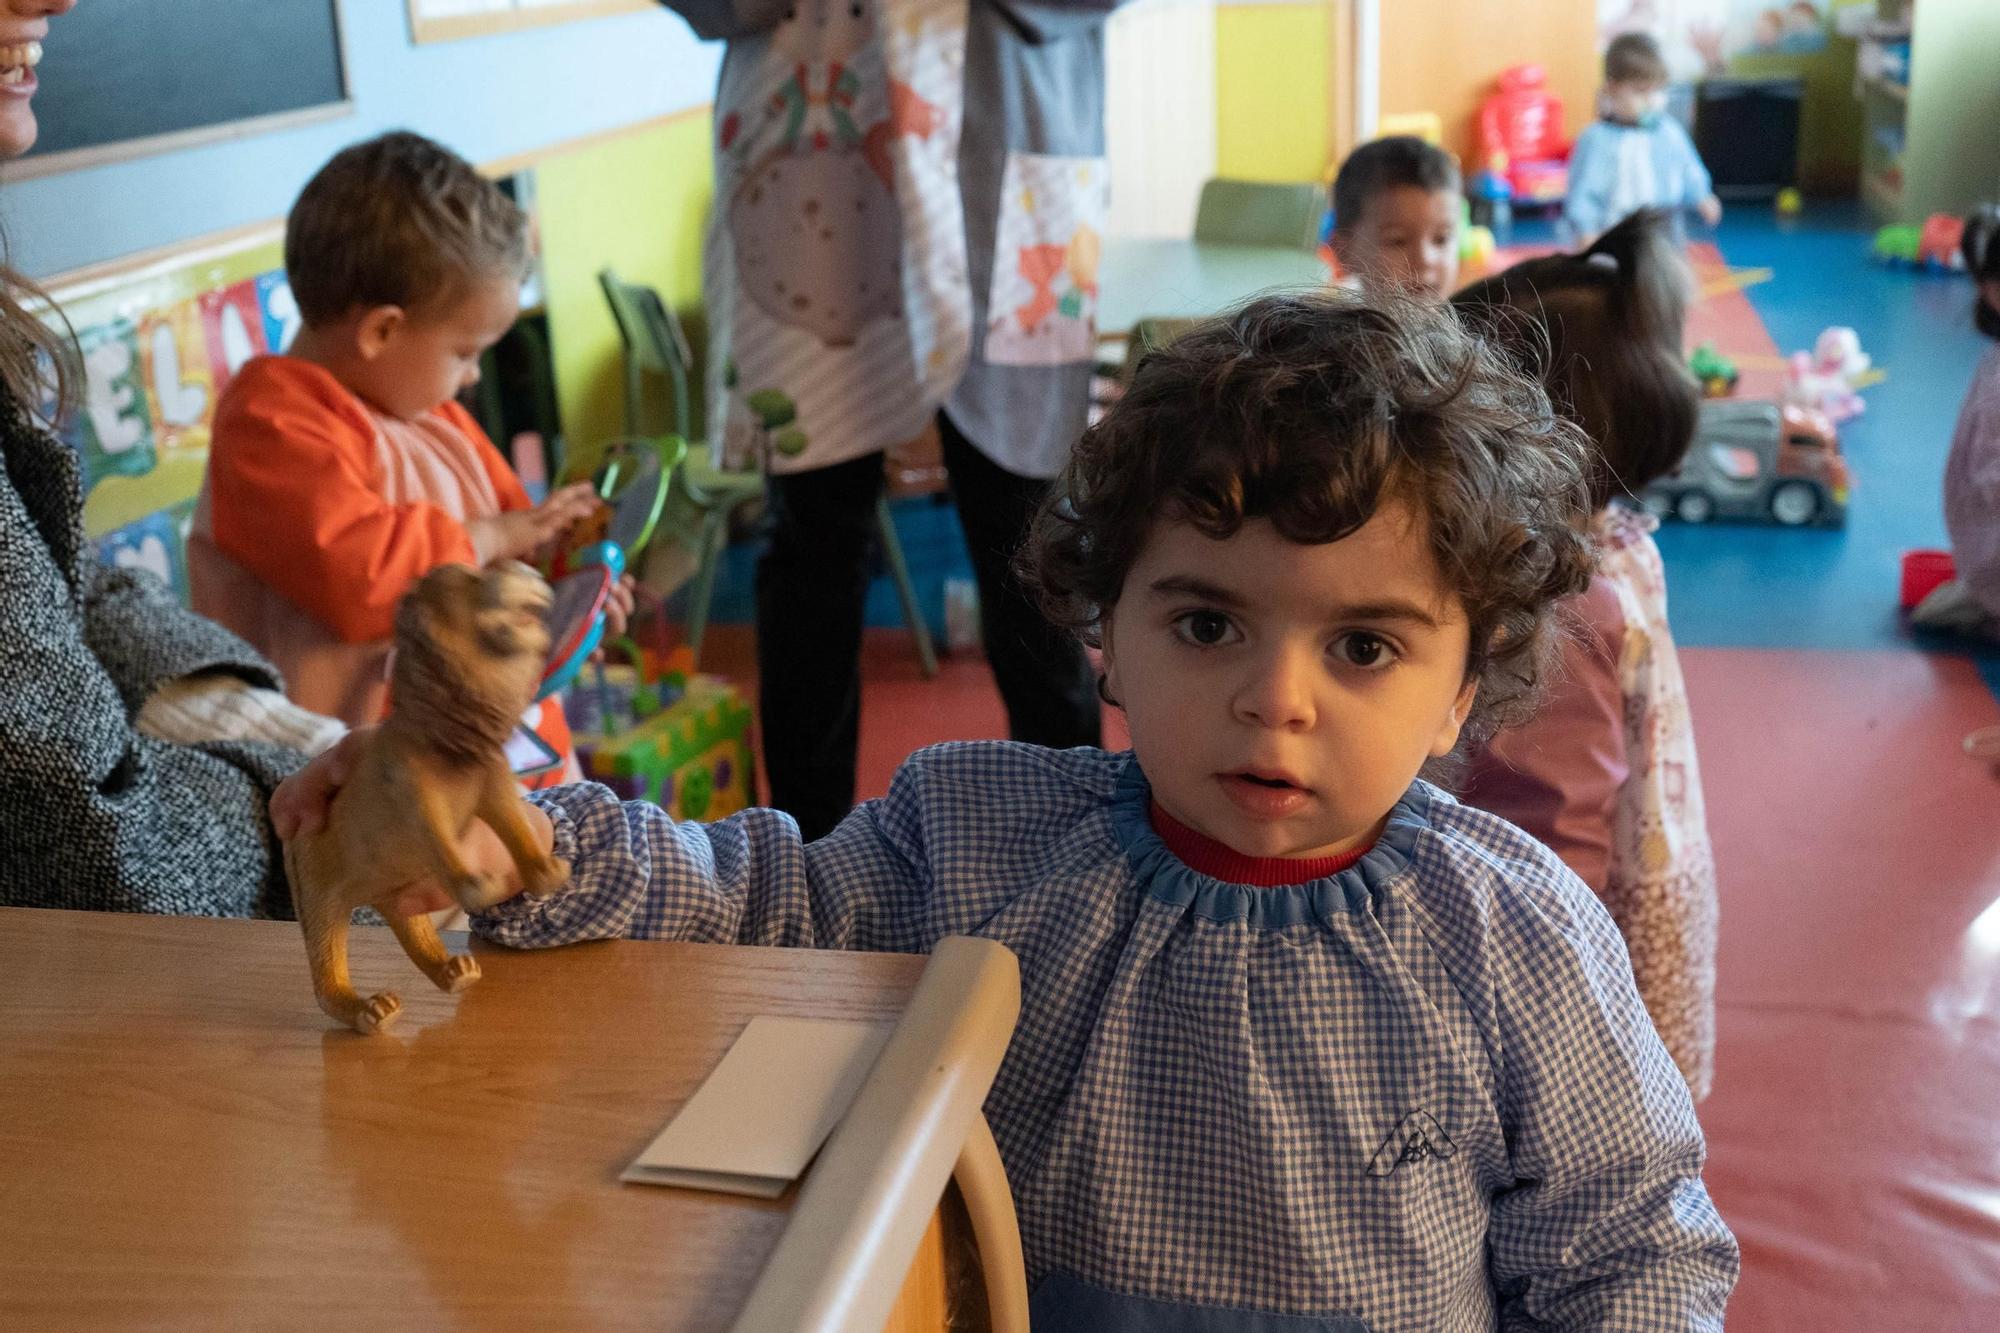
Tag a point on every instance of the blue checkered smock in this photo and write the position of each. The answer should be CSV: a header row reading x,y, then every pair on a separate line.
x,y
1420,1094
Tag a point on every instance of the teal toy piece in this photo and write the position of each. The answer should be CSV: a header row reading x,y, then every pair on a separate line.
x,y
576,612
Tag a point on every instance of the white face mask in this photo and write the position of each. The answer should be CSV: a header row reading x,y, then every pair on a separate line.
x,y
1644,108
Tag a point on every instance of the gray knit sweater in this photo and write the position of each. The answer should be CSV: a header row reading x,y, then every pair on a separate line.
x,y
92,814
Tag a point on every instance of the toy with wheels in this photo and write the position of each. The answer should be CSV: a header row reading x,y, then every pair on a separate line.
x,y
1757,462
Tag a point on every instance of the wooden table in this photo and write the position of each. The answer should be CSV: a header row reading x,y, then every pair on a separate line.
x,y
185,1143
1138,278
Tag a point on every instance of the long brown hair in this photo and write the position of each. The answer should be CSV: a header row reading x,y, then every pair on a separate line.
x,y
1602,330
37,351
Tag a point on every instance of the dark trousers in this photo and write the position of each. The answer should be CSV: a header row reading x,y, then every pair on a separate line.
x,y
812,584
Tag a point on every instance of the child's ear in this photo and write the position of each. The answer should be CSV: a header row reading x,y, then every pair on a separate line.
x,y
377,328
1108,683
1447,737
1341,243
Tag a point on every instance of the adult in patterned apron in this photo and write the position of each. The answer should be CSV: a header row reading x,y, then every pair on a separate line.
x,y
909,201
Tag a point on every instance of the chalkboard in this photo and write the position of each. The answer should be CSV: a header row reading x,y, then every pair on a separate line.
x,y
124,77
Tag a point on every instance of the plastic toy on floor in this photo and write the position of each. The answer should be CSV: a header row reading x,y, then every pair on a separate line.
x,y
1826,380
1933,247
1938,243
1716,372
1924,572
1521,136
654,730
1759,462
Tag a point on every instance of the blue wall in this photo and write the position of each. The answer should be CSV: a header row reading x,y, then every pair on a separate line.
x,y
487,97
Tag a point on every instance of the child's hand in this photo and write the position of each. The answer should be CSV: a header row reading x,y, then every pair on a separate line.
x,y
1710,210
519,533
300,803
619,605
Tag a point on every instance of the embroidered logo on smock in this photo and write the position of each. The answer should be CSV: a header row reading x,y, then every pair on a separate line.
x,y
1418,1138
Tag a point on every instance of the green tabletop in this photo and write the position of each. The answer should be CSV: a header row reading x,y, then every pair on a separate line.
x,y
1140,278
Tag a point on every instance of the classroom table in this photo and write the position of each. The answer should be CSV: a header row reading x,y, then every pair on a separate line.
x,y
185,1141
1139,278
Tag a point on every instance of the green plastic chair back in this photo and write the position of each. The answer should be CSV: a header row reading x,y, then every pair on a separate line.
x,y
654,341
1282,213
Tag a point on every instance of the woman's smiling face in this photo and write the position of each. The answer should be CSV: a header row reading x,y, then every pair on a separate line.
x,y
23,25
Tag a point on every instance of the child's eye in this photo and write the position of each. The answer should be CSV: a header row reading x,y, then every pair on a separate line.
x,y
1370,652
1203,629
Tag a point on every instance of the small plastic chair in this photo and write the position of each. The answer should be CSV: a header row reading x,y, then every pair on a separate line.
x,y
1275,213
655,344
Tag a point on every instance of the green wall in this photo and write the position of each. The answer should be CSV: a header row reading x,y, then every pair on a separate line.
x,y
637,203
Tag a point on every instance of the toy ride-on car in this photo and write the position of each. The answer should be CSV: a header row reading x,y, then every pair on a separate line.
x,y
1759,462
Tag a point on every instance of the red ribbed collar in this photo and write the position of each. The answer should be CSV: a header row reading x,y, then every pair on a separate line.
x,y
1219,861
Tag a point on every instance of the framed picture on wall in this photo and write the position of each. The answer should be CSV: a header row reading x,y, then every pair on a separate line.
x,y
450,20
122,78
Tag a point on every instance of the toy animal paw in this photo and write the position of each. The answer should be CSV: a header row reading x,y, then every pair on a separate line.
x,y
377,1013
539,881
458,972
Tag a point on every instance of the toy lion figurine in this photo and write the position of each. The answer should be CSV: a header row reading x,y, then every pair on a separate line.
x,y
470,648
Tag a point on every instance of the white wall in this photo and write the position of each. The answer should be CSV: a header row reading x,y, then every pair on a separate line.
x,y
1159,114
487,97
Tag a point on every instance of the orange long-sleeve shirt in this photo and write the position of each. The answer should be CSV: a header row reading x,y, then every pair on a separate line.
x,y
317,514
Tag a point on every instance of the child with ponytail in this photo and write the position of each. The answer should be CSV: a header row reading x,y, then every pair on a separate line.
x,y
1605,773
1970,603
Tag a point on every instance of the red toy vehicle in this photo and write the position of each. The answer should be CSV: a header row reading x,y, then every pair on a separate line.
x,y
1521,136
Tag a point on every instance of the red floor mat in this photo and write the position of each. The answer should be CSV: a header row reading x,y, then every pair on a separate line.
x,y
1854,1132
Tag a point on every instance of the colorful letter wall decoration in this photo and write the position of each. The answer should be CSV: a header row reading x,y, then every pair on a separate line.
x,y
155,356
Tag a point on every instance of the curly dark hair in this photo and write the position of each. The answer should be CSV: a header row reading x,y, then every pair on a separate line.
x,y
398,220
1310,410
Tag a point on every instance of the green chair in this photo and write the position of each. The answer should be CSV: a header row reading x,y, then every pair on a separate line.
x,y
655,344
1281,213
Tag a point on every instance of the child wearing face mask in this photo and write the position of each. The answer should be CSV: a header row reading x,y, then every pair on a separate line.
x,y
1635,156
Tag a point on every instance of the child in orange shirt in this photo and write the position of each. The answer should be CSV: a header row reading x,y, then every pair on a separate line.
x,y
342,472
